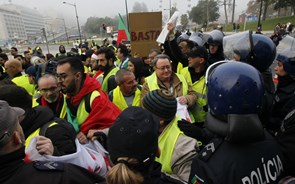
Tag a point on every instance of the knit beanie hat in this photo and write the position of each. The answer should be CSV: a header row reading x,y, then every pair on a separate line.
x,y
161,103
134,134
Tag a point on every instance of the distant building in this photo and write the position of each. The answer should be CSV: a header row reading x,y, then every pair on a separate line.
x,y
19,22
12,25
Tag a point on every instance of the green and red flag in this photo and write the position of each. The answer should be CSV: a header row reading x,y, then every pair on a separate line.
x,y
123,33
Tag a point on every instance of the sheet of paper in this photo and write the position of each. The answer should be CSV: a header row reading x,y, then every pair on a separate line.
x,y
164,33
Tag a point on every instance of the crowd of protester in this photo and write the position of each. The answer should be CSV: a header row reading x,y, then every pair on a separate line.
x,y
237,125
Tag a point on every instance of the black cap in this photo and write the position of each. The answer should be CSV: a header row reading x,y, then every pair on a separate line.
x,y
134,135
198,51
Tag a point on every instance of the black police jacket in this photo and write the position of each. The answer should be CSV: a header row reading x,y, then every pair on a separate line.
x,y
284,93
286,138
221,162
13,170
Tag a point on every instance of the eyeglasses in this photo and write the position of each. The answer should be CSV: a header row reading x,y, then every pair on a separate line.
x,y
51,89
61,76
168,67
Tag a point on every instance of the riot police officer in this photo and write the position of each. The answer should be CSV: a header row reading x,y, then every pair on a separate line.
x,y
241,151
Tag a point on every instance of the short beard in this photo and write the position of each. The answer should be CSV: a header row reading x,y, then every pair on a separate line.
x,y
70,89
51,100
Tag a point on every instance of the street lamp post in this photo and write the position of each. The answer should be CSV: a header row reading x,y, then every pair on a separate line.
x,y
44,34
126,7
233,13
260,12
170,10
77,20
65,29
54,41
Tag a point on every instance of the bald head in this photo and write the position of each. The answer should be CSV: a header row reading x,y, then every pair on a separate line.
x,y
12,67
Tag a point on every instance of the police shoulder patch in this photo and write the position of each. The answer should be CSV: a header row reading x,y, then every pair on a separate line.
x,y
48,165
209,149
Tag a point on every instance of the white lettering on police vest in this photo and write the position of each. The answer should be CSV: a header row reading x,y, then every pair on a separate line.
x,y
271,171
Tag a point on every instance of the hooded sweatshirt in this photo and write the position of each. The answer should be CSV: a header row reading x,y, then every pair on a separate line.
x,y
103,112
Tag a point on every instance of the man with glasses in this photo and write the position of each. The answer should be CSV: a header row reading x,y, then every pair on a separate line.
x,y
87,106
51,96
164,78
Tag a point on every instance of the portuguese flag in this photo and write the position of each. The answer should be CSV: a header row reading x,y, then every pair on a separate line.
x,y
123,33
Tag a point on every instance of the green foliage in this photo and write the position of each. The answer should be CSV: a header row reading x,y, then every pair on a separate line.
x,y
198,14
184,20
93,25
267,25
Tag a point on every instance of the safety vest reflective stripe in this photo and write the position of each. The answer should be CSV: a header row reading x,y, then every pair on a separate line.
x,y
167,141
200,95
104,85
200,87
119,101
82,114
153,84
36,133
23,81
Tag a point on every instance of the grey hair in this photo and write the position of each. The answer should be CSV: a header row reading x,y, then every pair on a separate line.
x,y
46,76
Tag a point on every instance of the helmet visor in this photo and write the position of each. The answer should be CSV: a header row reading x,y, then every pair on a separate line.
x,y
237,46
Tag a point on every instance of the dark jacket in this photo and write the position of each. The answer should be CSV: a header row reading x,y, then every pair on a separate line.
x,y
157,177
175,54
267,105
286,138
254,157
285,91
218,56
62,134
14,170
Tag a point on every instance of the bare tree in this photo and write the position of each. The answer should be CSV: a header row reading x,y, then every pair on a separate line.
x,y
139,7
225,3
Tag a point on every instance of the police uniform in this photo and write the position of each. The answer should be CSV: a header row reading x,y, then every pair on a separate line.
x,y
286,138
222,162
242,152
13,170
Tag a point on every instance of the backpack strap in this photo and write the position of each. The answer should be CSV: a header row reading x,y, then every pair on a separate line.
x,y
139,87
111,95
87,102
44,127
88,99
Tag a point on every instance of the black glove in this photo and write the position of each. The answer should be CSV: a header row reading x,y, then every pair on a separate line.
x,y
102,139
191,130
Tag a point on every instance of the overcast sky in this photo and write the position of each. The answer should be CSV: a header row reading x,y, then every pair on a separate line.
x,y
102,8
